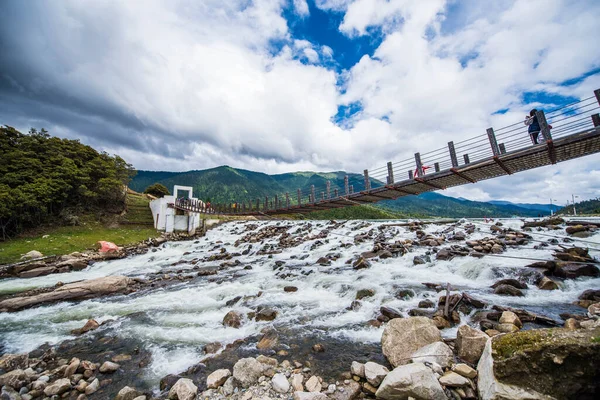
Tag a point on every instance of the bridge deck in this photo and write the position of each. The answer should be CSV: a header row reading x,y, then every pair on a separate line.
x,y
562,149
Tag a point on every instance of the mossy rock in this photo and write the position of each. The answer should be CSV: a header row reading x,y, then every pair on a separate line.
x,y
556,362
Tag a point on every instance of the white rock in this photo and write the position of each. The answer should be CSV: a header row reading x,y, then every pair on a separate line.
x,y
280,383
453,379
437,352
403,336
491,389
358,369
183,389
229,386
247,371
375,373
92,387
109,367
58,387
412,380
309,396
127,393
297,380
31,255
465,370
313,384
217,378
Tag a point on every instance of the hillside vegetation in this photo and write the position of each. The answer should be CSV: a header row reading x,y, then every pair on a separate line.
x,y
587,207
45,179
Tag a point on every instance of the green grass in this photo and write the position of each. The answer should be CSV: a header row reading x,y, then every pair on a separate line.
x,y
138,210
67,239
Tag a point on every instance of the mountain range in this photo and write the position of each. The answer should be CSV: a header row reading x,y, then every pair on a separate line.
x,y
226,185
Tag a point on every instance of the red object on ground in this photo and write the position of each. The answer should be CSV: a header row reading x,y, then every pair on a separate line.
x,y
107,247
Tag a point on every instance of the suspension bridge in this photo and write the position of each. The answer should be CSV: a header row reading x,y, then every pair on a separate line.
x,y
568,132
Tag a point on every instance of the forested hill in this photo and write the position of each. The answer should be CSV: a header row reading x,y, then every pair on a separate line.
x,y
225,185
47,179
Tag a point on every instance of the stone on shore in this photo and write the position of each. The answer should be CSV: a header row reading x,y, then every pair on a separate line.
x,y
58,387
309,396
297,380
184,389
375,373
280,383
109,367
247,371
127,393
8,362
465,370
470,343
453,379
92,387
412,380
15,379
403,336
437,352
313,384
217,378
357,369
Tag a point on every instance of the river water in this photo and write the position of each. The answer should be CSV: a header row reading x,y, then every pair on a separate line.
x,y
175,322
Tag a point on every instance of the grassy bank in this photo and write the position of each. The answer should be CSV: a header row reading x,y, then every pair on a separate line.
x,y
67,239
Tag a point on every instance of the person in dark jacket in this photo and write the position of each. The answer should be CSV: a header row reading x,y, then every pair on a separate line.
x,y
534,126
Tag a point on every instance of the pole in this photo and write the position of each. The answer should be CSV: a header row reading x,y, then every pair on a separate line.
x,y
574,210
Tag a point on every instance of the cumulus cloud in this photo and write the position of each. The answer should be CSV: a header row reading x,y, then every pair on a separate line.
x,y
187,85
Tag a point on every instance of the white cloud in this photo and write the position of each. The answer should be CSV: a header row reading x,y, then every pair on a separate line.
x,y
301,8
205,83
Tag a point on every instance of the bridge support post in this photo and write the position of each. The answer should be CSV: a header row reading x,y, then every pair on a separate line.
x,y
493,142
453,158
502,148
322,196
419,164
257,204
299,197
596,120
351,189
390,177
328,190
266,202
410,175
437,166
336,192
346,188
276,202
367,181
541,117
466,157
312,194
597,94
287,200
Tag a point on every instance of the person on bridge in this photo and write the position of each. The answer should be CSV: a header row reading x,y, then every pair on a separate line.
x,y
533,126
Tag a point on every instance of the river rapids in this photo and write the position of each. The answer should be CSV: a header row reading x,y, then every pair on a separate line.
x,y
174,322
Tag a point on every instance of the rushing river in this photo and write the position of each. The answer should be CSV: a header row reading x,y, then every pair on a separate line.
x,y
175,322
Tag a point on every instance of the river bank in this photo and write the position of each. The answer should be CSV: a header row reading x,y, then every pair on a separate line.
x,y
293,288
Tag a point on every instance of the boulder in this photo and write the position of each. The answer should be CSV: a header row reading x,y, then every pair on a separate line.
x,y
309,396
390,312
232,319
8,362
349,391
547,284
590,294
426,304
313,384
280,383
247,371
572,271
109,367
15,379
375,373
507,328
361,263
217,378
412,380
403,336
31,255
470,343
127,393
71,291
357,369
437,352
184,389
464,370
453,379
42,271
167,382
512,282
509,317
508,290
541,364
90,325
266,314
362,293
58,387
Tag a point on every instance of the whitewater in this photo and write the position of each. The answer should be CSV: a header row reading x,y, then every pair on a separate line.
x,y
175,322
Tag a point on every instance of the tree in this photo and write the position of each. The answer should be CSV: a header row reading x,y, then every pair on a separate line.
x,y
157,190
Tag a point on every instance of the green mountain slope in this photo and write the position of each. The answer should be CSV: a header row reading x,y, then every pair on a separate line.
x,y
227,185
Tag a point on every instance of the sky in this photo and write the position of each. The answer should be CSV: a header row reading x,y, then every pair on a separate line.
x,y
287,85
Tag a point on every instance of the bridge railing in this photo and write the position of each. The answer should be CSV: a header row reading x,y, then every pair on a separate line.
x,y
566,120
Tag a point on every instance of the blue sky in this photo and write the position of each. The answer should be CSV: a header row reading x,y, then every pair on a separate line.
x,y
287,85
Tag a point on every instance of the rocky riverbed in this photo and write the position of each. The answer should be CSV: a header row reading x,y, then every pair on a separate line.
x,y
262,309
